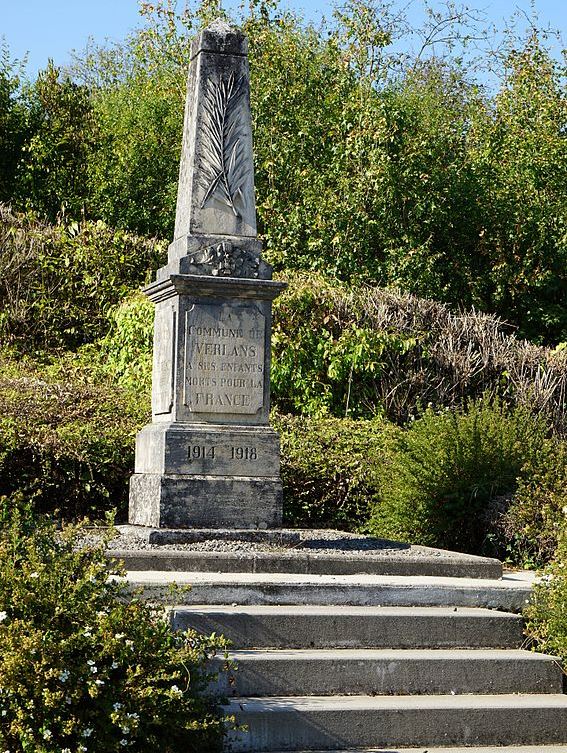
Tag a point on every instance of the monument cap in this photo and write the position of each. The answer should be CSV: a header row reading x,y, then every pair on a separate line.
x,y
221,38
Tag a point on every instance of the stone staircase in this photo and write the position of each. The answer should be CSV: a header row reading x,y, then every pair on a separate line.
x,y
374,662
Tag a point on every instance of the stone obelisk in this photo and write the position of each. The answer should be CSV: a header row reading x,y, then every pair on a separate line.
x,y
209,458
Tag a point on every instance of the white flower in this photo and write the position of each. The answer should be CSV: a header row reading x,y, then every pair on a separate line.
x,y
133,716
47,735
123,741
119,636
3,616
114,665
4,712
175,690
66,750
68,700
117,706
64,675
125,730
129,643
99,682
87,732
35,575
87,633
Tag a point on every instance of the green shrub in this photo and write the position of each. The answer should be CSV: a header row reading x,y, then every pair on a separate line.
x,y
331,469
546,614
83,668
529,530
65,439
361,351
58,282
126,350
448,467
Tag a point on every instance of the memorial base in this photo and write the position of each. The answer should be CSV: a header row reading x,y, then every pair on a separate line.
x,y
175,501
206,476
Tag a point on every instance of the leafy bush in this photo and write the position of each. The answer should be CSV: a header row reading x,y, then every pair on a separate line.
x,y
66,440
546,614
331,469
62,134
530,528
57,282
448,467
126,349
367,350
83,668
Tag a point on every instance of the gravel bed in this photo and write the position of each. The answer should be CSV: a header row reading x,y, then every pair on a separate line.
x,y
315,542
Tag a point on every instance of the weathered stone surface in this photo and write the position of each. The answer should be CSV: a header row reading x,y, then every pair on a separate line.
x,y
212,350
209,457
216,178
179,501
224,358
195,450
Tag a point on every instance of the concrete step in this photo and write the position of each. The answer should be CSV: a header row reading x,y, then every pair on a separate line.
x,y
424,562
353,627
339,722
387,672
508,594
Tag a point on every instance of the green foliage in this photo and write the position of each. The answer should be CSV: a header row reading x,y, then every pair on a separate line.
x,y
327,357
448,467
362,351
13,122
530,528
371,163
546,614
84,668
331,469
52,177
65,440
126,350
57,282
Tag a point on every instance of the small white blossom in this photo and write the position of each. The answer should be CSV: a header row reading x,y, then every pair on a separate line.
x,y
64,675
87,732
34,575
3,616
129,643
123,741
68,700
47,734
119,636
114,665
125,730
99,682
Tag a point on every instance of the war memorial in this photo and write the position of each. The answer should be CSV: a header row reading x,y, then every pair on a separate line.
x,y
342,642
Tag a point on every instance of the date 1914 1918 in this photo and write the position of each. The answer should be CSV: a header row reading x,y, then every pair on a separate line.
x,y
202,452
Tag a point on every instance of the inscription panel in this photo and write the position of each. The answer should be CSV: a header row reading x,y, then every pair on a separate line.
x,y
224,358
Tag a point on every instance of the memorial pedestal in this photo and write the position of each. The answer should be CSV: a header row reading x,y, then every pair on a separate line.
x,y
209,457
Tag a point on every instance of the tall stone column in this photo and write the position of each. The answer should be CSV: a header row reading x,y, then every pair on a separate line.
x,y
209,458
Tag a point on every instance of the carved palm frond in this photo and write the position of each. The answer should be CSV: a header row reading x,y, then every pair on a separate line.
x,y
224,164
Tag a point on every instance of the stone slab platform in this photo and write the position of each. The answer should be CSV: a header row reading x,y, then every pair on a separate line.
x,y
337,722
321,627
509,594
289,551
